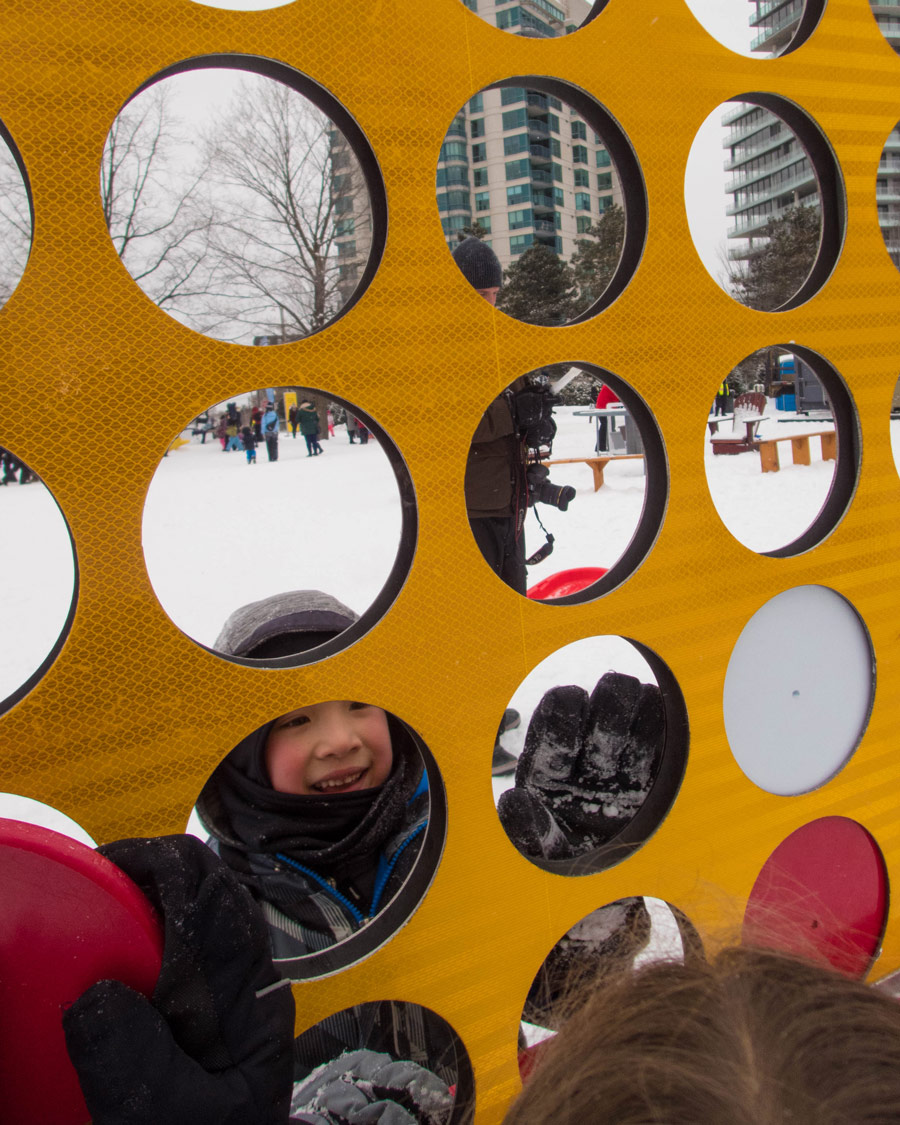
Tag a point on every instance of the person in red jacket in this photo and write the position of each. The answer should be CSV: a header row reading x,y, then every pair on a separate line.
x,y
605,398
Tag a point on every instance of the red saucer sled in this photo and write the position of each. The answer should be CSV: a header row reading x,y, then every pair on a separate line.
x,y
565,582
68,918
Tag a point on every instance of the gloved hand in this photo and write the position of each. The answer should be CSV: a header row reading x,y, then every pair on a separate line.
x,y
214,1046
360,1087
586,768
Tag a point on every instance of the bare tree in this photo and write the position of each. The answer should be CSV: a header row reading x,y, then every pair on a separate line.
x,y
155,205
15,224
288,187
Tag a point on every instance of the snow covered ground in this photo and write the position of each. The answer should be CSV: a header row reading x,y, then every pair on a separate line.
x,y
218,533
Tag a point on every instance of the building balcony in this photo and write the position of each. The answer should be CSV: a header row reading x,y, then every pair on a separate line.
x,y
539,176
772,191
541,202
535,125
538,101
733,163
545,225
764,10
540,153
776,164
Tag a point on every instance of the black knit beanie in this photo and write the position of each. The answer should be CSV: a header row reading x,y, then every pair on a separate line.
x,y
479,264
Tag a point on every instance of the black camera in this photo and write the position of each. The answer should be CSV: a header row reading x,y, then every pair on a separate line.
x,y
534,415
542,490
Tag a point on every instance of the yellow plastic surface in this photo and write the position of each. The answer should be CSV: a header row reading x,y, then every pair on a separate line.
x,y
129,721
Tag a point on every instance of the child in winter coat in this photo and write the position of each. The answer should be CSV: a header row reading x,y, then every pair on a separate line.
x,y
309,427
249,444
321,813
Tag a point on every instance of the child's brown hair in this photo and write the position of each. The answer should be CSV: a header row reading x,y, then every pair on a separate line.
x,y
751,1038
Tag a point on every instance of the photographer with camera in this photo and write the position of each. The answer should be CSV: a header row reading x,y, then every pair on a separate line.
x,y
504,476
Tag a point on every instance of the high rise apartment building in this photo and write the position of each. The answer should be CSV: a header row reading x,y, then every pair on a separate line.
x,y
770,170
522,164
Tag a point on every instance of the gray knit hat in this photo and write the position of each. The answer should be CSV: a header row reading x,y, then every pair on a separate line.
x,y
283,625
479,264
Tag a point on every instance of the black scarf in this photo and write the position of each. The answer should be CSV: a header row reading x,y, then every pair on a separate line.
x,y
341,830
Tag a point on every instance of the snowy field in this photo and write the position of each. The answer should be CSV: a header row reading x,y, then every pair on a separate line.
x,y
765,511
218,533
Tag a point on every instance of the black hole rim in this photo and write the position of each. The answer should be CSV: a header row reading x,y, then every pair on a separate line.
x,y
401,908
832,193
656,493
663,792
27,685
393,584
325,101
626,164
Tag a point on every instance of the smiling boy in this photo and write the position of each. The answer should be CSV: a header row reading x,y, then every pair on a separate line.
x,y
322,814
336,747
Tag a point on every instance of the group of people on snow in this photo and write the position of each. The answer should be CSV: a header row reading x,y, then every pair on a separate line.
x,y
263,427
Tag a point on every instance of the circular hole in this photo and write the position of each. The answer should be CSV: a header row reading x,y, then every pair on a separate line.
x,y
404,1032
546,180
16,218
271,572
243,199
538,19
822,894
782,450
569,458
768,221
38,579
789,743
15,807
597,764
885,13
335,815
244,5
622,935
769,29
887,186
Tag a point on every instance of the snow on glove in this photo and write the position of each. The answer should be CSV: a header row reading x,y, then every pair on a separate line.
x,y
214,1046
360,1087
586,768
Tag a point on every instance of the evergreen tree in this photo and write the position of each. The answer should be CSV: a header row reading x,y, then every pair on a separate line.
x,y
774,275
596,257
475,230
538,288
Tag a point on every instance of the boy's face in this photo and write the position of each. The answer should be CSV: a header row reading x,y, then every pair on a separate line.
x,y
335,747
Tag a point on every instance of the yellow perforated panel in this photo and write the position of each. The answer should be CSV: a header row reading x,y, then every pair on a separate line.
x,y
128,722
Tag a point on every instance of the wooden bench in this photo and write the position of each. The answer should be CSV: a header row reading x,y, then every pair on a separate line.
x,y
714,423
768,449
597,464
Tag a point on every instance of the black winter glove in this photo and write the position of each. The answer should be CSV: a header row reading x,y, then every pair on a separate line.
x,y
214,1047
360,1087
587,767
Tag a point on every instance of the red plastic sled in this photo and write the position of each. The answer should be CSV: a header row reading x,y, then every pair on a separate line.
x,y
68,918
565,582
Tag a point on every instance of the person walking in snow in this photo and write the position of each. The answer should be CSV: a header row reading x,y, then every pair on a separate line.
x,y
269,426
249,444
352,427
292,419
309,427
